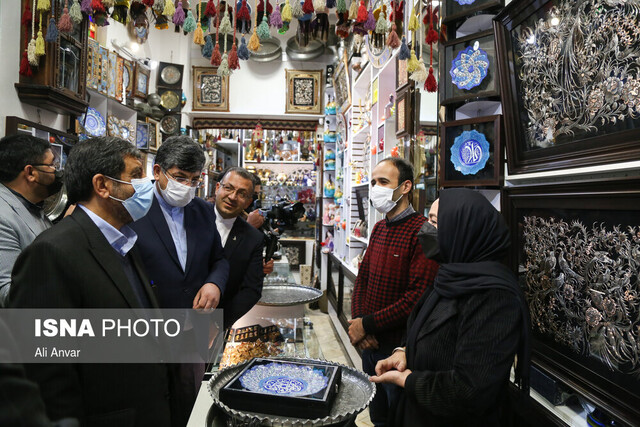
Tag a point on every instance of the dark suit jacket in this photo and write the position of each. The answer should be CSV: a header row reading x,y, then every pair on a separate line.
x,y
243,250
464,352
205,260
72,265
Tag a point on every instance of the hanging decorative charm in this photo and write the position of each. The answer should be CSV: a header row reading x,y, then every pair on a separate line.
x,y
65,24
243,50
169,8
207,48
198,34
234,63
178,15
393,41
296,8
353,10
263,29
31,47
189,24
86,7
25,67
40,40
225,24
405,52
243,17
75,12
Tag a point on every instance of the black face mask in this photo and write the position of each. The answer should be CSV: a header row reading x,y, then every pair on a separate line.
x,y
428,238
56,185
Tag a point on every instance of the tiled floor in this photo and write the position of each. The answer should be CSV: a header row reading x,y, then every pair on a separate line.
x,y
333,350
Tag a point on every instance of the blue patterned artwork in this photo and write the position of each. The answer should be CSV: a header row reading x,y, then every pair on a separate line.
x,y
464,2
470,67
470,152
284,379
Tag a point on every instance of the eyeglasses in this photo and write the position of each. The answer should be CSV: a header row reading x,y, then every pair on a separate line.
x,y
241,194
197,183
55,165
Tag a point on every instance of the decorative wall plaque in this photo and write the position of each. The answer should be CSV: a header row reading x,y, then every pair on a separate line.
x,y
210,91
304,92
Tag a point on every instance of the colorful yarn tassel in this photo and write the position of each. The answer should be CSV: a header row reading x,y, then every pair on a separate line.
x,y
43,5
276,19
169,8
76,12
243,14
341,7
97,7
381,24
287,15
86,7
413,62
210,11
432,36
40,44
216,58
353,10
52,31
393,41
296,9
404,53
189,24
207,49
370,23
223,69
243,50
420,74
225,24
362,12
413,22
158,6
178,15
263,29
431,85
198,35
254,42
234,64
25,67
307,7
64,23
31,53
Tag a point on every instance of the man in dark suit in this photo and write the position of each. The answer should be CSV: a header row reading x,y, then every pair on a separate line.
x,y
88,261
242,243
183,256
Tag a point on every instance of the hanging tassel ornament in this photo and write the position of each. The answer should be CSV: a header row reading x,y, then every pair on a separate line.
x,y
261,10
319,6
75,12
413,22
25,67
243,50
216,57
232,60
420,74
26,18
404,53
210,11
431,85
223,69
44,5
296,9
40,40
31,47
370,23
108,3
189,24
353,10
178,15
243,18
207,48
198,34
307,7
86,7
52,31
341,6
148,3
158,7
225,24
263,29
362,12
287,15
64,23
413,62
393,41
97,7
276,19
381,24
169,8
254,41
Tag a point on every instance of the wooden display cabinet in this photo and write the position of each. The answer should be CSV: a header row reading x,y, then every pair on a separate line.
x,y
59,82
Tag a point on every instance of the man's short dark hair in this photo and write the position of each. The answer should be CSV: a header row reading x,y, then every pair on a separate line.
x,y
256,180
405,170
182,152
18,151
102,155
242,172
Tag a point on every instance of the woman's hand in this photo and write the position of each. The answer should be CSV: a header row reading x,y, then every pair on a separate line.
x,y
392,377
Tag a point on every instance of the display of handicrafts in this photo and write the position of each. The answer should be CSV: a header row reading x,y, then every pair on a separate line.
x,y
582,288
579,69
470,67
463,2
284,378
470,152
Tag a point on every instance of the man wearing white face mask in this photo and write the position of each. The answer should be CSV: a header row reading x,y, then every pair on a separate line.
x,y
392,277
183,255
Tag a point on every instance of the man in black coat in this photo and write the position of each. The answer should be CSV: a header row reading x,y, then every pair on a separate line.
x,y
181,251
88,261
242,243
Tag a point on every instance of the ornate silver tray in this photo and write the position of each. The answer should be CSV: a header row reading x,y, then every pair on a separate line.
x,y
284,295
354,395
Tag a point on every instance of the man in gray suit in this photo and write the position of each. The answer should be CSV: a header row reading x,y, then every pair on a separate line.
x,y
28,175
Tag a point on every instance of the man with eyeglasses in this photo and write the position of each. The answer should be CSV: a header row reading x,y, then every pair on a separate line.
x,y
183,256
243,244
28,175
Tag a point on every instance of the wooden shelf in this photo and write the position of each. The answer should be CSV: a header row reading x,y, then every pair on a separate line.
x,y
359,239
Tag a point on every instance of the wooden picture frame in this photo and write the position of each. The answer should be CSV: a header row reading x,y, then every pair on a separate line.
x,y
142,135
103,63
93,64
403,113
402,75
561,238
594,121
296,252
210,91
155,138
119,78
471,152
128,77
455,10
458,57
342,85
112,81
141,82
304,92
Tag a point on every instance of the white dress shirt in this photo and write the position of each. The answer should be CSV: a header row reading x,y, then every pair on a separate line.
x,y
224,226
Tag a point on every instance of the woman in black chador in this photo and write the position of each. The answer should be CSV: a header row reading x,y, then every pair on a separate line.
x,y
463,334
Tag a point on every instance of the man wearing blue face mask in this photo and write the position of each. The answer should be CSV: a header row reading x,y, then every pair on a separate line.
x,y
184,258
88,260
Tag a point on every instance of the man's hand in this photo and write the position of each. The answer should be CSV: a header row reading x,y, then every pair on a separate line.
x,y
356,331
208,297
254,218
397,361
267,267
369,342
392,377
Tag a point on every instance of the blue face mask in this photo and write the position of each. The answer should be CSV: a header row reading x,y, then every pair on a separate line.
x,y
140,202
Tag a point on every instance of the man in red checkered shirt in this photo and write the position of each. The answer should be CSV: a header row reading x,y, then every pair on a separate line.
x,y
392,277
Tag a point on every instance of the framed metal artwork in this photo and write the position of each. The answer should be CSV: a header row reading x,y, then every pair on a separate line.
x,y
119,78
454,10
341,83
128,75
304,92
468,69
141,83
103,81
575,249
142,135
471,152
170,99
170,125
403,113
210,91
170,75
402,75
155,139
569,77
113,75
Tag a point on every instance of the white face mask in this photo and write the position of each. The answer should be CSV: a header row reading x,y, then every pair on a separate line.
x,y
382,198
176,194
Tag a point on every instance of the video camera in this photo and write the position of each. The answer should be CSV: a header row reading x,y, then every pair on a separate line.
x,y
282,215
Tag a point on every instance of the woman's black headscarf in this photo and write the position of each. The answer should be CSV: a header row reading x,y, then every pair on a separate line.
x,y
473,240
